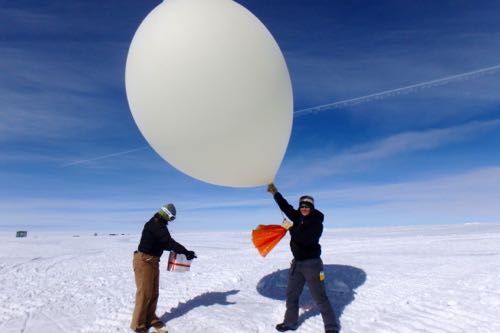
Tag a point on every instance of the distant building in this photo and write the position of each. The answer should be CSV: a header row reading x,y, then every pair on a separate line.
x,y
21,233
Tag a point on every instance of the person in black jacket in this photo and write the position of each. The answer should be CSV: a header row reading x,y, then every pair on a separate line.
x,y
154,240
306,265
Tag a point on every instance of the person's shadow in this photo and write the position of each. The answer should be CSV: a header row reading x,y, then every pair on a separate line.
x,y
340,283
206,299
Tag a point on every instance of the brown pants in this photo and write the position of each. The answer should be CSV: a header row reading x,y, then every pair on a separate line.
x,y
147,280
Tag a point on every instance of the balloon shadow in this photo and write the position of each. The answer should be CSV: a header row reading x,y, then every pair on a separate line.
x,y
340,283
206,299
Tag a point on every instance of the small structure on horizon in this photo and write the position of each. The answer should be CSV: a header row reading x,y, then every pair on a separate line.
x,y
21,233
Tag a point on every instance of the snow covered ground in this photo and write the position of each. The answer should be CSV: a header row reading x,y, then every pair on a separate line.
x,y
405,279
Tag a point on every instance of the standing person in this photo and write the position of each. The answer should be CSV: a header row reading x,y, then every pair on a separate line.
x,y
154,240
306,265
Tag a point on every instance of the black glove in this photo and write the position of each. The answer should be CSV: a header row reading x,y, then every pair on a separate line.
x,y
190,255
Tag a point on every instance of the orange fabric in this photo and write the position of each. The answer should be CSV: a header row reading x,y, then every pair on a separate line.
x,y
265,237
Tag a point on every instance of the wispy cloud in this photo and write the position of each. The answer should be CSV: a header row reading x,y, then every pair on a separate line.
x,y
27,18
58,20
39,68
45,96
404,143
18,122
362,154
15,156
466,197
128,211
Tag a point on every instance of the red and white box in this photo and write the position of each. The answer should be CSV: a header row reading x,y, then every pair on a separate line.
x,y
178,262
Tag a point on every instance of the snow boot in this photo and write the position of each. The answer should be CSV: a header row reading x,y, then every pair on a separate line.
x,y
283,328
141,330
157,323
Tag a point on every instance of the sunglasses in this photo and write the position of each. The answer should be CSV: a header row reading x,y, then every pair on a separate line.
x,y
305,206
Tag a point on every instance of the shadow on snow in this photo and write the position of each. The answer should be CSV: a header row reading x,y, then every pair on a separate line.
x,y
206,299
340,283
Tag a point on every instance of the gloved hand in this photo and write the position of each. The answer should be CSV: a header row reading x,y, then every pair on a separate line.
x,y
190,255
286,224
272,189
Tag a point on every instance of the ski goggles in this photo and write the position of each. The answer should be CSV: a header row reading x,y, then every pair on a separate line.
x,y
171,216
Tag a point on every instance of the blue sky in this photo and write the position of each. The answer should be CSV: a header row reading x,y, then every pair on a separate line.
x,y
72,158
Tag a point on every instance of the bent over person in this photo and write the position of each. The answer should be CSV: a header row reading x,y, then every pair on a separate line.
x,y
306,265
154,240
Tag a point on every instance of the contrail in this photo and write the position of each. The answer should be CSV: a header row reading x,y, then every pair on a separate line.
x,y
350,102
398,91
103,157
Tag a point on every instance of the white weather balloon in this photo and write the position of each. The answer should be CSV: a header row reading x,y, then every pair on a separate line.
x,y
210,91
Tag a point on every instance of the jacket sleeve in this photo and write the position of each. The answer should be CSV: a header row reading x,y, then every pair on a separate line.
x,y
308,232
168,243
286,208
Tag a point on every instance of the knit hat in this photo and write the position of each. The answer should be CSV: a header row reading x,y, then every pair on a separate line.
x,y
168,212
307,200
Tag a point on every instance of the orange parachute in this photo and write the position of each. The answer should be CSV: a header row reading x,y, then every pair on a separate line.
x,y
265,237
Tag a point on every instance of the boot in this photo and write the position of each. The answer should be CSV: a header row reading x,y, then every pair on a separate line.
x,y
283,328
141,330
157,323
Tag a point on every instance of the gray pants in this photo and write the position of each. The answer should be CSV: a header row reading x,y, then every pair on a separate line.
x,y
308,271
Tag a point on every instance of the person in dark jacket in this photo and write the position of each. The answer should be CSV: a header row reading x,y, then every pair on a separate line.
x,y
154,240
306,265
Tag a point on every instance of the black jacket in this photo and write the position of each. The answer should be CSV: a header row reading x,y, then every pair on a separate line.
x,y
306,230
156,238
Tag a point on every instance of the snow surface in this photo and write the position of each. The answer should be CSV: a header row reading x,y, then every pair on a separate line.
x,y
405,279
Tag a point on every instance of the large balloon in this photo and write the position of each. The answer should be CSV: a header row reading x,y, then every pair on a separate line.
x,y
210,91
